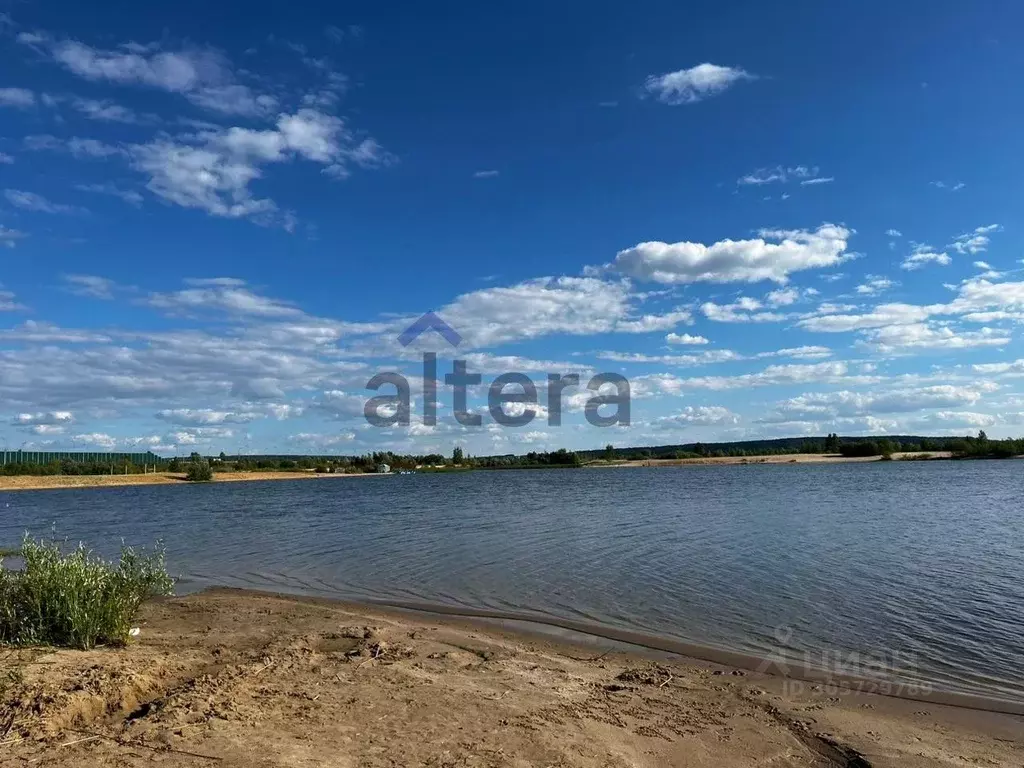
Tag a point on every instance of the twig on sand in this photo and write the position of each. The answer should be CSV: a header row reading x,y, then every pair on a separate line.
x,y
124,743
80,741
667,681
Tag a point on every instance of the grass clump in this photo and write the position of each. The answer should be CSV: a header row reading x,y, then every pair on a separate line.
x,y
77,599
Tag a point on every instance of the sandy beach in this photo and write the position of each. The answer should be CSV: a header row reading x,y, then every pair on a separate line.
x,y
784,458
42,482
246,679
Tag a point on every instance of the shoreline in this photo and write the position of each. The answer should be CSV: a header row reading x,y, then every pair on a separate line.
x,y
47,482
781,458
257,678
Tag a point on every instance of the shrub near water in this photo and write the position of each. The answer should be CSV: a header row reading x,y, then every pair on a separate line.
x,y
77,599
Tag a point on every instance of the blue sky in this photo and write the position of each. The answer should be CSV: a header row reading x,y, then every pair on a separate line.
x,y
215,221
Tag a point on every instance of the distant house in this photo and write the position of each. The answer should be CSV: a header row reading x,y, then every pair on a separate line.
x,y
383,469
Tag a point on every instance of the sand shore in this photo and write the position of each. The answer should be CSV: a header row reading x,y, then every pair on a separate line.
x,y
786,458
247,679
42,482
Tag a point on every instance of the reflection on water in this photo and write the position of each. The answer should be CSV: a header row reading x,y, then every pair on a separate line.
x,y
918,566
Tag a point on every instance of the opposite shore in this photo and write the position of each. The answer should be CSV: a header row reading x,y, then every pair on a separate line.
x,y
258,679
44,482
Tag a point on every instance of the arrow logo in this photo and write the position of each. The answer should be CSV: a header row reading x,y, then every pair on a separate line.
x,y
430,321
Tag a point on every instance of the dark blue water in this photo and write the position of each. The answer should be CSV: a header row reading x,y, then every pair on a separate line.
x,y
918,567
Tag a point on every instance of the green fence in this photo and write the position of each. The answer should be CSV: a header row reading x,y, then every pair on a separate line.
x,y
98,457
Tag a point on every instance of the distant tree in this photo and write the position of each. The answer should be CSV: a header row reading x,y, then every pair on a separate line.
x,y
457,455
609,452
832,443
223,456
174,465
982,437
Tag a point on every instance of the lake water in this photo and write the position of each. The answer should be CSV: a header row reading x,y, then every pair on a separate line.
x,y
918,565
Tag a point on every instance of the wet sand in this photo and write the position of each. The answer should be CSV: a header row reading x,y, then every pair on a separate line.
x,y
248,679
42,482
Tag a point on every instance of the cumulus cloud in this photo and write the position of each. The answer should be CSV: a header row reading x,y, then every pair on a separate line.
x,y
213,173
20,98
922,255
773,256
688,86
875,284
743,310
685,338
975,241
914,336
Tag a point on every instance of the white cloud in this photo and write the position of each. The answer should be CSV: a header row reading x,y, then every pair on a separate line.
x,y
776,375
129,196
819,180
50,418
485,174
897,338
782,175
20,98
201,417
743,310
98,439
845,403
75,146
30,201
951,186
699,416
688,86
976,241
800,353
216,295
685,338
90,286
214,174
204,77
6,159
922,255
9,237
550,305
106,111
875,284
893,233
736,260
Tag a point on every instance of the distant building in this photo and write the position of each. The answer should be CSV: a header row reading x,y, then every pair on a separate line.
x,y
383,469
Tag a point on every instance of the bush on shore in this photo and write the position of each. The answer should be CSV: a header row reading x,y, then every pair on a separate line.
x,y
77,599
199,471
